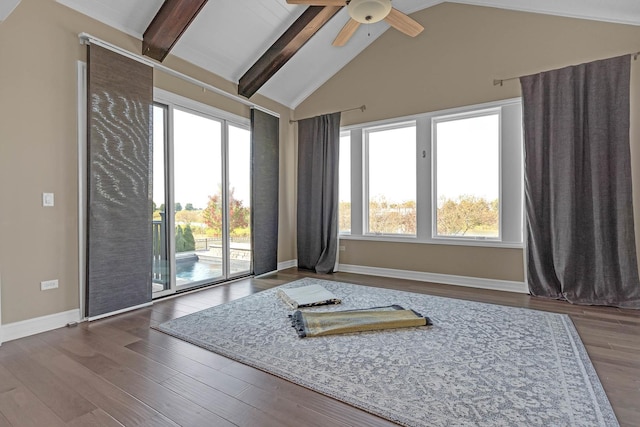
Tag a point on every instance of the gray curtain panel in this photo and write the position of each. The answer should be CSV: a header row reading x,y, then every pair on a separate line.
x,y
318,157
580,230
119,247
265,155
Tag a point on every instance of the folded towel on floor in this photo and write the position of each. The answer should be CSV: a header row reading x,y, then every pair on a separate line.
x,y
314,324
307,296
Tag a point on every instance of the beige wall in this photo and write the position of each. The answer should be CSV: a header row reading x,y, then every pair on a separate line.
x,y
39,49
453,63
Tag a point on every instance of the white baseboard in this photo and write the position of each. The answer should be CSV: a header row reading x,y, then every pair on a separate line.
x,y
13,331
447,279
287,264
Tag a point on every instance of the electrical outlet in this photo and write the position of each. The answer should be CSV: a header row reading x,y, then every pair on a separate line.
x,y
342,249
48,284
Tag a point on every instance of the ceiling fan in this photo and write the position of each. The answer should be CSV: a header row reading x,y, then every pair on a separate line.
x,y
367,12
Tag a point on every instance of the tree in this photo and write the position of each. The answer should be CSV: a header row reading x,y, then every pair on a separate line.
x,y
189,207
467,213
238,214
178,207
392,218
154,207
189,240
344,212
212,214
188,217
180,241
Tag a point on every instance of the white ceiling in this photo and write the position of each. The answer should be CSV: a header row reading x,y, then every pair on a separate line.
x,y
228,36
6,7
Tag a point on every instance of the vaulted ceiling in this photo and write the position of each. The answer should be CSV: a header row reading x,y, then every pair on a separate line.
x,y
229,37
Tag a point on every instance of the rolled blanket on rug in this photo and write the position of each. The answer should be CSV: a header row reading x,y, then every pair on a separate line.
x,y
314,324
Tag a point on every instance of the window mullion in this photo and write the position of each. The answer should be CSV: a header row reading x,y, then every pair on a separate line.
x,y
357,182
423,178
511,150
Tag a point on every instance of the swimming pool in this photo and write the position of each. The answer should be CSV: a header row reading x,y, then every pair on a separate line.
x,y
201,267
192,269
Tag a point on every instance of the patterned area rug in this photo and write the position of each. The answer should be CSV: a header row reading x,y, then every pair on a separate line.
x,y
479,364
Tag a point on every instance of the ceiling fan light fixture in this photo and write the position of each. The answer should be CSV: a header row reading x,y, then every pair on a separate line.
x,y
369,11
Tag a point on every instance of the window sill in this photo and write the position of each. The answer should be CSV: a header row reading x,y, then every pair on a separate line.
x,y
447,242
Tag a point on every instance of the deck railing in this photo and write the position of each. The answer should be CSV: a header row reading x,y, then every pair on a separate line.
x,y
159,262
211,245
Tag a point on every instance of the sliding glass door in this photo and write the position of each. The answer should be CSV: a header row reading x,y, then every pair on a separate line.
x,y
197,183
204,200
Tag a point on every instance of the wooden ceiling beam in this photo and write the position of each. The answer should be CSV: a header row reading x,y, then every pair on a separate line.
x,y
167,26
313,18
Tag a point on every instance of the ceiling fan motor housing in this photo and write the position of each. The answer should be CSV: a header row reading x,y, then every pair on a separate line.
x,y
369,11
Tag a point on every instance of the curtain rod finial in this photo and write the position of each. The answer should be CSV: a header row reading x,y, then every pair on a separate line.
x,y
497,82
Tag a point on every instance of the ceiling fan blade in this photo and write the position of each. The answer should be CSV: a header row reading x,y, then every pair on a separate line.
x,y
403,23
319,2
346,32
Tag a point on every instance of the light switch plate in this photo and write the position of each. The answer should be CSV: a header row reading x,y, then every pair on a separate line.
x,y
47,199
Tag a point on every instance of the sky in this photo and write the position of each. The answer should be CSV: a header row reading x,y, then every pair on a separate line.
x,y
197,160
467,152
390,172
468,156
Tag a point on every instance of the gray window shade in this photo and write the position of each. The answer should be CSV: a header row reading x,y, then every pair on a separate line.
x,y
120,100
264,192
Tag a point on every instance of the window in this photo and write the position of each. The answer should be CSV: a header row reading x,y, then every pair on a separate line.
x,y
391,179
344,190
467,175
452,176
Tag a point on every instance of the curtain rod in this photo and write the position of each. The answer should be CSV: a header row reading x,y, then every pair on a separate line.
x,y
361,108
89,39
497,82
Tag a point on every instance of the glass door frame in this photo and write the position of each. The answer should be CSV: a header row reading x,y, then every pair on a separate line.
x,y
167,148
172,101
227,226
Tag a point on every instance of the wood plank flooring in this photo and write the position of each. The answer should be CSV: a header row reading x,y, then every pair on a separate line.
x,y
120,372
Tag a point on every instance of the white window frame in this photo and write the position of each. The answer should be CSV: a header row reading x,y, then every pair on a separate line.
x,y
434,167
511,176
365,207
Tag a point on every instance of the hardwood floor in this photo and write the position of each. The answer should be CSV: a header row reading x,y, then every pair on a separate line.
x,y
117,371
